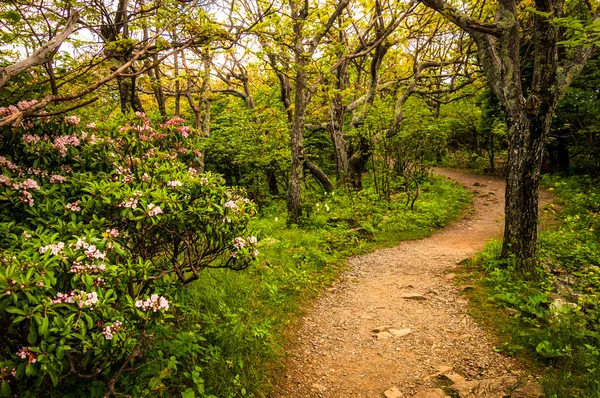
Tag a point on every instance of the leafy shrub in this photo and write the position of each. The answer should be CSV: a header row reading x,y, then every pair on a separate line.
x,y
98,229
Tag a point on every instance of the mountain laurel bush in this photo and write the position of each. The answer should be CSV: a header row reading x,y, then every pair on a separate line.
x,y
98,230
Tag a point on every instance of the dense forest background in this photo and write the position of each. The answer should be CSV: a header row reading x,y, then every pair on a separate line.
x,y
244,149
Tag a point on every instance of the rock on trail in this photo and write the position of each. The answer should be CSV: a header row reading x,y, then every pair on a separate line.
x,y
395,322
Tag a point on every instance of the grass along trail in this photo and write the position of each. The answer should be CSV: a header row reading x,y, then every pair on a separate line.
x,y
395,324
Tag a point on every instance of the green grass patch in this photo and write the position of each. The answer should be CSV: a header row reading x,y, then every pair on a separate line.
x,y
234,326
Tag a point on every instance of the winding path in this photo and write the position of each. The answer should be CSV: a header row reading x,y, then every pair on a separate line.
x,y
396,319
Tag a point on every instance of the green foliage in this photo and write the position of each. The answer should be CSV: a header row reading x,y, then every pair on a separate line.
x,y
98,231
241,318
557,317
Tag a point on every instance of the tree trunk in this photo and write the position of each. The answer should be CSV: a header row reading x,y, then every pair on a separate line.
x,y
177,86
127,94
205,98
159,95
526,143
297,147
319,175
337,138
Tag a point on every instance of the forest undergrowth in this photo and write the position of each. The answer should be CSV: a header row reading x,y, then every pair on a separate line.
x,y
234,325
552,323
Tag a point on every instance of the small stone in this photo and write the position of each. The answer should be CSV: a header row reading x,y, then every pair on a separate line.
x,y
392,393
413,296
318,388
450,276
455,378
466,288
383,336
443,369
399,332
559,304
380,329
431,393
494,388
528,390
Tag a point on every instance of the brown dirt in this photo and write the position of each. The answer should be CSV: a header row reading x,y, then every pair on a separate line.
x,y
346,346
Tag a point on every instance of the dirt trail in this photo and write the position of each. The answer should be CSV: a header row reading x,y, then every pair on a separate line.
x,y
356,341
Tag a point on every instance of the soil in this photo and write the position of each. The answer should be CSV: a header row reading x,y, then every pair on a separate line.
x,y
395,320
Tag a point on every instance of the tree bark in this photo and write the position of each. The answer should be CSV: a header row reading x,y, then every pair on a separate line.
x,y
319,175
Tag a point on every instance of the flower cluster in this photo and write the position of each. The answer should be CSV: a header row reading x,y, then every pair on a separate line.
x,y
28,184
174,183
113,232
230,204
174,121
92,252
131,203
63,143
73,206
29,138
80,297
5,371
57,179
154,303
55,250
248,242
80,268
154,210
22,105
4,180
109,330
25,353
8,164
72,120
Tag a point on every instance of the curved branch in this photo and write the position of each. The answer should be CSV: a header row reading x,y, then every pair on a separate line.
x,y
41,55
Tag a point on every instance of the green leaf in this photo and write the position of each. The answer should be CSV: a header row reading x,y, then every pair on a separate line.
x,y
53,377
6,389
43,328
189,393
32,336
15,310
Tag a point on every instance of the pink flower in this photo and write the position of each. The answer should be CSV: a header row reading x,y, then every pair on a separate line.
x,y
57,179
113,232
29,184
73,207
4,180
28,138
72,120
27,198
55,250
109,331
154,210
22,105
131,203
25,353
154,303
174,184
